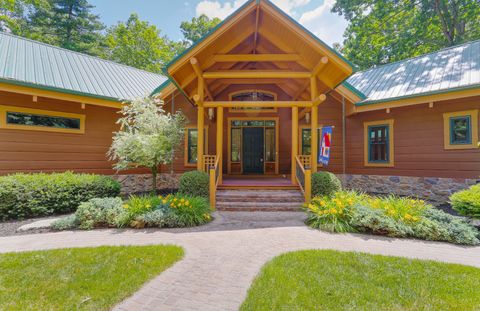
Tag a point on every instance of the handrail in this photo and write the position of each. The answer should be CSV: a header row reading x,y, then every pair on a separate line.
x,y
214,174
304,176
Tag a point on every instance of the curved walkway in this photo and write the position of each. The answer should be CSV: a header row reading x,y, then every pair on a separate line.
x,y
222,258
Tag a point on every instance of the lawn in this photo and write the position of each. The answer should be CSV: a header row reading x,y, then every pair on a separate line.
x,y
330,280
81,278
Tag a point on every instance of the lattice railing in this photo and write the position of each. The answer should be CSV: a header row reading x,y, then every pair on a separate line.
x,y
304,176
305,160
212,166
209,161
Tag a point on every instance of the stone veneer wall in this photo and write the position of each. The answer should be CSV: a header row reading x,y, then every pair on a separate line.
x,y
137,183
433,189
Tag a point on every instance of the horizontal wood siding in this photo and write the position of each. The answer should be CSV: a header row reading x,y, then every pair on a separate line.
x,y
38,151
418,142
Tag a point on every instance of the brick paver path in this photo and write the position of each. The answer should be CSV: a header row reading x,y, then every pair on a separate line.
x,y
222,258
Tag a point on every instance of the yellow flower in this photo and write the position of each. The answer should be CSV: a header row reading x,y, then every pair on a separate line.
x,y
333,211
125,206
174,199
322,203
408,216
148,206
164,201
187,203
182,200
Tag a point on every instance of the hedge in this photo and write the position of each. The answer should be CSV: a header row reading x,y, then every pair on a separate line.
x,y
32,195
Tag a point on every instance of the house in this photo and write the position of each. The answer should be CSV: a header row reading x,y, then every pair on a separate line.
x,y
257,91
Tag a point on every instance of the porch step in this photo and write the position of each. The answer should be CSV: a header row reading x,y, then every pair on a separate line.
x,y
259,200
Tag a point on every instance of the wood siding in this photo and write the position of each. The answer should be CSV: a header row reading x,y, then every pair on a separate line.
x,y
38,151
418,139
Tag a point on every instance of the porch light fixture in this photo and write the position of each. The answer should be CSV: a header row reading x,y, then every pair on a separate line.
x,y
307,117
211,113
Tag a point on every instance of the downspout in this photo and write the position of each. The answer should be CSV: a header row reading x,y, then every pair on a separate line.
x,y
344,153
173,151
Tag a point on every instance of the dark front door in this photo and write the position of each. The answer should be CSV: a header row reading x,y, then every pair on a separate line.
x,y
253,149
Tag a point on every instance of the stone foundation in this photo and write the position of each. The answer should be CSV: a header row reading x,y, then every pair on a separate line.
x,y
138,183
432,189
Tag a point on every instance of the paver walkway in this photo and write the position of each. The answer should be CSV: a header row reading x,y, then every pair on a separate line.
x,y
222,258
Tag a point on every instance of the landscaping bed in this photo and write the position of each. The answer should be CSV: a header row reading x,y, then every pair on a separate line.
x,y
80,279
331,280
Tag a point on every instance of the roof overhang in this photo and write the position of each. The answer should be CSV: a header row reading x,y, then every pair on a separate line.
x,y
260,39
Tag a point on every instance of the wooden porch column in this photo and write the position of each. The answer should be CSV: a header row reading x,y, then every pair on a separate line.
x,y
314,123
294,143
220,141
199,99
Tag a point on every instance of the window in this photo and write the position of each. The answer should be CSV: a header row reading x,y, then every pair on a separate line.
x,y
191,140
306,140
461,129
253,96
378,143
236,144
41,120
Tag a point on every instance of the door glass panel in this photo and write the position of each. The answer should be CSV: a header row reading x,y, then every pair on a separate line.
x,y
236,144
270,145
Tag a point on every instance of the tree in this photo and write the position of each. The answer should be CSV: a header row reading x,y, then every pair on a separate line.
x,y
138,44
147,138
67,23
198,27
383,31
14,13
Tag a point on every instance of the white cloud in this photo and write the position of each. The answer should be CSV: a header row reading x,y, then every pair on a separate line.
x,y
214,8
326,25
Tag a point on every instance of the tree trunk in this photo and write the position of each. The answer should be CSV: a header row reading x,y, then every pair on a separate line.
x,y
154,180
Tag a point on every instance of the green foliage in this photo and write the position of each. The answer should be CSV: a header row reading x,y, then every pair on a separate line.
x,y
68,24
332,280
467,202
137,206
99,212
382,31
325,183
138,44
194,183
93,278
148,136
32,195
66,223
349,211
198,27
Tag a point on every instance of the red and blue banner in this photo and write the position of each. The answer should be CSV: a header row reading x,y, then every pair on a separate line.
x,y
325,145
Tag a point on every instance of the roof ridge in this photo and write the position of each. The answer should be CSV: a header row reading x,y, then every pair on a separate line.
x,y
415,57
75,52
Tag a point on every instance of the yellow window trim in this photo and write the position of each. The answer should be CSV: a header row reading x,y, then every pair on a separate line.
x,y
5,125
474,125
231,95
300,129
391,148
185,150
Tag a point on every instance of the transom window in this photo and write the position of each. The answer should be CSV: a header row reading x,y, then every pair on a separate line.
x,y
461,129
378,143
28,119
253,96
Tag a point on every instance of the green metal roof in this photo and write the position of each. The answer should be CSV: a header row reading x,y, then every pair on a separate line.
x,y
447,70
31,63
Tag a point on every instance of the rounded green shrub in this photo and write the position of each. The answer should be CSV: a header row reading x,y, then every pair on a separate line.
x,y
194,183
32,195
325,183
467,202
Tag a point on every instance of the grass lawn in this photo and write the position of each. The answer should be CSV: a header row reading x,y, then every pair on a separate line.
x,y
80,278
330,280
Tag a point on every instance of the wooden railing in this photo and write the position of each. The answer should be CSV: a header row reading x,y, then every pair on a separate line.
x,y
304,176
213,170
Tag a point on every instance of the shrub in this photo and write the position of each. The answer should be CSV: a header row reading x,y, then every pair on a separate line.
x,y
367,219
467,202
99,212
333,213
32,195
194,183
398,208
325,183
136,206
161,217
66,223
190,211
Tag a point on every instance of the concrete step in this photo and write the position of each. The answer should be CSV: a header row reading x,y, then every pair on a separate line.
x,y
259,206
259,196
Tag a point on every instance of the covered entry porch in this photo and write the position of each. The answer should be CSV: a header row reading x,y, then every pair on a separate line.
x,y
257,48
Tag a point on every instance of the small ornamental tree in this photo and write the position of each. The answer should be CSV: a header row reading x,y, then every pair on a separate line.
x,y
148,136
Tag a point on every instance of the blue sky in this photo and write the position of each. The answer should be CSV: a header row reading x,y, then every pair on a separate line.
x,y
168,14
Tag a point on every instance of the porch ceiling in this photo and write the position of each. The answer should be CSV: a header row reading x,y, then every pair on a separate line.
x,y
259,45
